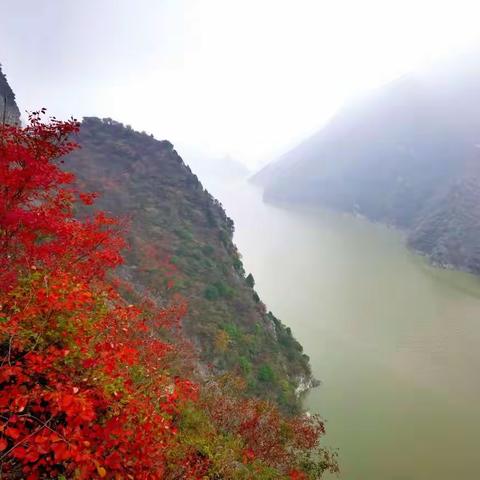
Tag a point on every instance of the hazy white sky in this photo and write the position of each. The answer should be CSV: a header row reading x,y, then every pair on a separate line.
x,y
247,78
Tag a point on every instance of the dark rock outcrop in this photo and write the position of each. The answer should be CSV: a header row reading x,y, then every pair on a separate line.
x,y
9,112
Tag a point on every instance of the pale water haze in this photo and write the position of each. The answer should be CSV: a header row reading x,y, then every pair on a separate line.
x,y
242,78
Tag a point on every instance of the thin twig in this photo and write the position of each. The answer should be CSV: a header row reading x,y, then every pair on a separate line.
x,y
25,439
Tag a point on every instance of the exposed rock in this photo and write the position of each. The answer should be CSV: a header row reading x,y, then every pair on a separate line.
x,y
9,112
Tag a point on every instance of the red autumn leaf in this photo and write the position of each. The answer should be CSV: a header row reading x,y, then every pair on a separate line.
x,y
3,444
12,433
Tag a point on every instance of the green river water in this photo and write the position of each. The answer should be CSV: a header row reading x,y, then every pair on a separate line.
x,y
395,342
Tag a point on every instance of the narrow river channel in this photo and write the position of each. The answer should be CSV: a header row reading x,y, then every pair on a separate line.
x,y
395,342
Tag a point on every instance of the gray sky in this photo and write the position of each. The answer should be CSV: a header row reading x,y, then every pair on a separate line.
x,y
247,78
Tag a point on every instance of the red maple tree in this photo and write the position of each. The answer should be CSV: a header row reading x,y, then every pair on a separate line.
x,y
86,383
84,388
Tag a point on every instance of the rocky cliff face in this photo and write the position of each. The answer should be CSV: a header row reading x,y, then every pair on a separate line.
x,y
407,155
9,112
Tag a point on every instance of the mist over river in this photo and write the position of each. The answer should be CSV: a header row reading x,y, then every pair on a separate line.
x,y
394,341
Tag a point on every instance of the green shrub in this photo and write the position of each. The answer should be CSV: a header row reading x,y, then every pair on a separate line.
x,y
266,374
245,365
184,234
218,290
238,265
232,331
208,250
211,293
223,289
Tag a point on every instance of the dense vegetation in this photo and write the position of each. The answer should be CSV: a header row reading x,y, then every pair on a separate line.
x,y
180,244
93,386
405,155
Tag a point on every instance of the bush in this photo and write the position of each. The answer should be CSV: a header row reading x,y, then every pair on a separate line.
x,y
208,250
245,365
232,330
184,234
211,293
266,374
238,266
223,289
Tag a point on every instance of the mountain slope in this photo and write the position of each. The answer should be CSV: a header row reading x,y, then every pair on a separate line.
x,y
405,155
97,381
180,231
181,249
449,232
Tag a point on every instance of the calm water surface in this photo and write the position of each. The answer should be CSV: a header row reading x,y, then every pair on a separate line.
x,y
395,342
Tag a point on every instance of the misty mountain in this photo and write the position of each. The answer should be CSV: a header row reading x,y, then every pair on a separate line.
x,y
407,155
215,169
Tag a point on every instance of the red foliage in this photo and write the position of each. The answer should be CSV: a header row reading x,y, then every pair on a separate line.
x,y
268,435
85,382
84,387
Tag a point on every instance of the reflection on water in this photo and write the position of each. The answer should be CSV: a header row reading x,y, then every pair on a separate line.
x,y
394,341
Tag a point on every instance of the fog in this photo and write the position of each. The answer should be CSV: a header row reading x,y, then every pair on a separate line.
x,y
234,85
245,79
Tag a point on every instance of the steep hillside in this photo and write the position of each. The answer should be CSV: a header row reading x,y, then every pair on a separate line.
x,y
449,232
95,382
181,247
407,155
179,231
9,111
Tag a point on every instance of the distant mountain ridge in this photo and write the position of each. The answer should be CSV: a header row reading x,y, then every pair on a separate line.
x,y
407,155
215,169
